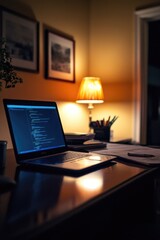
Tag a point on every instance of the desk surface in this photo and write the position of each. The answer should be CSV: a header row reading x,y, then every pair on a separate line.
x,y
41,199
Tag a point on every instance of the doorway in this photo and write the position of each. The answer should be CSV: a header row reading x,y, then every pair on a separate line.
x,y
153,84
146,99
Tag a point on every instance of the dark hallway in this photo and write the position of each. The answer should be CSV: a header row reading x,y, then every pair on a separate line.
x,y
153,111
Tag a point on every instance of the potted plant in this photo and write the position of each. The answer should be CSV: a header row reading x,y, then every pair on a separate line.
x,y
8,76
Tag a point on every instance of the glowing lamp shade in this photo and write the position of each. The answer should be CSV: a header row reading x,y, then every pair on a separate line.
x,y
90,91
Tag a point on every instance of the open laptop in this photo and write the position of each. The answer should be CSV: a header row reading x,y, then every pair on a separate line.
x,y
39,141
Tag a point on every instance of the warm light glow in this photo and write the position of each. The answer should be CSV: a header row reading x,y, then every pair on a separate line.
x,y
90,91
71,124
93,182
69,106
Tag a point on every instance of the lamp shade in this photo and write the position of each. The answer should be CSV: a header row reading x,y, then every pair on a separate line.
x,y
90,91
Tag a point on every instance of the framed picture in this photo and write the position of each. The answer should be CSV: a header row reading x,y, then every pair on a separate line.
x,y
60,56
22,39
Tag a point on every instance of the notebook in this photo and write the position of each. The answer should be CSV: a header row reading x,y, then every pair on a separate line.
x,y
38,139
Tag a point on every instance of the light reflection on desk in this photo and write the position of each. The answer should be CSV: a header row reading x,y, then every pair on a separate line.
x,y
42,197
75,191
43,200
91,184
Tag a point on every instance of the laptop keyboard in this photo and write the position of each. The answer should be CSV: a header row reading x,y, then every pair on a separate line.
x,y
63,157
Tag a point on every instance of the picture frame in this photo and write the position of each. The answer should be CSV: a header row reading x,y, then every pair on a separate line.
x,y
22,39
59,56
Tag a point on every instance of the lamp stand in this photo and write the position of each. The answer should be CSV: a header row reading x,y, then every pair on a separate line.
x,y
90,107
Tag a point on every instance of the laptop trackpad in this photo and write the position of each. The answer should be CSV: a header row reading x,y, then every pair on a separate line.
x,y
85,162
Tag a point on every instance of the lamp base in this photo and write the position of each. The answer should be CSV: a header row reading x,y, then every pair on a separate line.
x,y
90,107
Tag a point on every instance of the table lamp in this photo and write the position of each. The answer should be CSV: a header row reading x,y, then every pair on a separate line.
x,y
90,92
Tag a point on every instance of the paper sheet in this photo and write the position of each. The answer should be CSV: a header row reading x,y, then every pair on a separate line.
x,y
122,150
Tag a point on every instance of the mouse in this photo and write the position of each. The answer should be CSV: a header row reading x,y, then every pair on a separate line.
x,y
6,183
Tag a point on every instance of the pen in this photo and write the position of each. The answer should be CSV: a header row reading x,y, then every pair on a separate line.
x,y
113,120
102,122
107,121
140,155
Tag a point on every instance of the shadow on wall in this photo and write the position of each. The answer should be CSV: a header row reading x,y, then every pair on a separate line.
x,y
18,7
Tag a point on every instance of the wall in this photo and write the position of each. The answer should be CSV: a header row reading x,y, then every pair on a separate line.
x,y
104,32
70,17
112,56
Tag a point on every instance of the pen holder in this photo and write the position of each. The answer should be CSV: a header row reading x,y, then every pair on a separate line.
x,y
102,133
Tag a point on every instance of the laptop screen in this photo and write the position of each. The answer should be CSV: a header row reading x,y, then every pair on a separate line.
x,y
35,127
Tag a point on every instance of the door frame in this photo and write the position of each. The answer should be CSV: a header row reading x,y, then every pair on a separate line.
x,y
142,17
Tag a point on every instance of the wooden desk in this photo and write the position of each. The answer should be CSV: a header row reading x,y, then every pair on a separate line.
x,y
54,206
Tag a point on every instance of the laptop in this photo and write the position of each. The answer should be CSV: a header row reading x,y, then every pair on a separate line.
x,y
39,142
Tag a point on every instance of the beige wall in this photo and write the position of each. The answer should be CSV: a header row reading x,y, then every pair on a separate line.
x,y
111,57
70,17
104,34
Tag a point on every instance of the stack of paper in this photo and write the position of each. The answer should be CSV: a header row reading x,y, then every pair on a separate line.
x,y
78,137
134,153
